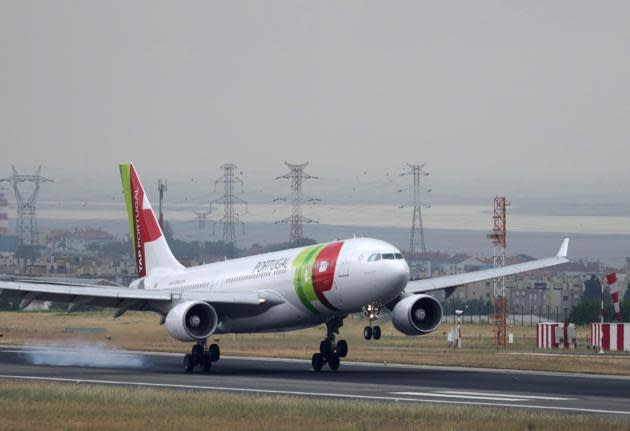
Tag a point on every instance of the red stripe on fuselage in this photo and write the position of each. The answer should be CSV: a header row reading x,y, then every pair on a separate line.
x,y
324,272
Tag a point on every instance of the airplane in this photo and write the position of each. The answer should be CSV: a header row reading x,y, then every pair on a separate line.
x,y
271,292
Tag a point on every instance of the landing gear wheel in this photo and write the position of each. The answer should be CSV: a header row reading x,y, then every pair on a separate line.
x,y
197,351
372,311
325,348
317,362
342,348
189,363
215,352
206,362
330,351
333,362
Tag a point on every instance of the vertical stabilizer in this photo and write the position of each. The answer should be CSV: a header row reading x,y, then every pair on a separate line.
x,y
148,242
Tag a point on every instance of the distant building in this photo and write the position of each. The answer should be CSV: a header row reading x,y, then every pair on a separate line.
x,y
81,239
552,291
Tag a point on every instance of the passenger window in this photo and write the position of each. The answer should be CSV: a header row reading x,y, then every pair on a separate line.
x,y
374,257
388,256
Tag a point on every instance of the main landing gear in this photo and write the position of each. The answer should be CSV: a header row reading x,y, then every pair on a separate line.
x,y
330,352
202,357
372,311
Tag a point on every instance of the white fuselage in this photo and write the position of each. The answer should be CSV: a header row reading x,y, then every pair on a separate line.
x,y
311,283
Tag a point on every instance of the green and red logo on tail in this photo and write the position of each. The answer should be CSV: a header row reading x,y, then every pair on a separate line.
x,y
142,223
314,275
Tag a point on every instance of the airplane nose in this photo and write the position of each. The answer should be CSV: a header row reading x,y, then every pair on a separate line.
x,y
398,274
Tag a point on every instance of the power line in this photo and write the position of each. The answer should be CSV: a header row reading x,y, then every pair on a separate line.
x,y
296,219
229,200
417,229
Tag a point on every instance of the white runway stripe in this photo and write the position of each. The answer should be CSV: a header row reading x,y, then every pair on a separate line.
x,y
315,394
442,395
493,394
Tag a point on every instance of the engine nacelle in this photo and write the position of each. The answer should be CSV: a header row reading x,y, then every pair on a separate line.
x,y
191,321
417,314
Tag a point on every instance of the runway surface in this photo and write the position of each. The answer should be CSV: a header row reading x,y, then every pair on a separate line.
x,y
570,393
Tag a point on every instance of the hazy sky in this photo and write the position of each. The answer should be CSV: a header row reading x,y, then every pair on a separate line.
x,y
535,94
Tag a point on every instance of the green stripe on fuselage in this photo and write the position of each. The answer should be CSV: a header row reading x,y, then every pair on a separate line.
x,y
303,281
125,178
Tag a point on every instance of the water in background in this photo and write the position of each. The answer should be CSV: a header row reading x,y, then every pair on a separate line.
x,y
610,249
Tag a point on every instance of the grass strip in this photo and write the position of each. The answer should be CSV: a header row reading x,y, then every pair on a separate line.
x,y
36,406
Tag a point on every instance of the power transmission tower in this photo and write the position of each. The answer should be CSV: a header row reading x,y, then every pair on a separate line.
x,y
417,229
27,231
162,187
498,237
229,200
202,216
296,219
4,213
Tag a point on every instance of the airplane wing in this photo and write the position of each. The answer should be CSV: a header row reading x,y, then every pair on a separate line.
x,y
123,298
453,281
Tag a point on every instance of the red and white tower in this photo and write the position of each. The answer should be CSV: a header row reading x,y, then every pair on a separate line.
x,y
498,236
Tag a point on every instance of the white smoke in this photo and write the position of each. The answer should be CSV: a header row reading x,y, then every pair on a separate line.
x,y
94,355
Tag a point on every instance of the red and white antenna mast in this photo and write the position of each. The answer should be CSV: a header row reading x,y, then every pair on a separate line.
x,y
498,237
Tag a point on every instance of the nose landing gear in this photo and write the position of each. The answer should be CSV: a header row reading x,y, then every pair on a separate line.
x,y
373,312
330,352
202,357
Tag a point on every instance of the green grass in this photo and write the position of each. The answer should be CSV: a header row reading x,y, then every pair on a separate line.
x,y
36,406
141,331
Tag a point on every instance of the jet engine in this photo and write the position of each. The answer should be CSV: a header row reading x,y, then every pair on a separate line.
x,y
417,314
191,321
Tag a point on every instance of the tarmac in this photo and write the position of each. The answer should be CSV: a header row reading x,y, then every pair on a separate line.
x,y
543,391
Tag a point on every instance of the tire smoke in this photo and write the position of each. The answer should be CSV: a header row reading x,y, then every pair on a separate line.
x,y
93,355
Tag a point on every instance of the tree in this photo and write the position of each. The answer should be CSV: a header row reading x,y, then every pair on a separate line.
x,y
9,301
592,288
585,312
588,311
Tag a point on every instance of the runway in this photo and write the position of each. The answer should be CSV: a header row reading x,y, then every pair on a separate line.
x,y
569,393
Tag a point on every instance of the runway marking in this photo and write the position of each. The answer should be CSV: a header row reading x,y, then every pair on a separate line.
x,y
311,394
445,395
5,348
488,394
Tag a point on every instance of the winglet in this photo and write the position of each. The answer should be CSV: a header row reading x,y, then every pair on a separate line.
x,y
564,248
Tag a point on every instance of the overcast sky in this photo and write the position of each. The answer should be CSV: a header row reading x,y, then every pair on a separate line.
x,y
531,95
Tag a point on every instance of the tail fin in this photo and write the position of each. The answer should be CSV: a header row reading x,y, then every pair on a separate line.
x,y
147,239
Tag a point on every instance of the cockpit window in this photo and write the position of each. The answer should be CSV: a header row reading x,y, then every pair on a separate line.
x,y
374,257
388,256
398,255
